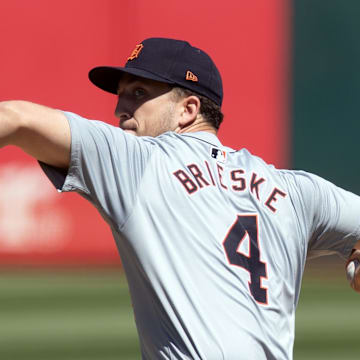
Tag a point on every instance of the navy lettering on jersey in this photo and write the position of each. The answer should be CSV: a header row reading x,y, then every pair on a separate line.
x,y
236,176
209,171
272,198
197,177
220,170
185,180
196,172
254,184
246,226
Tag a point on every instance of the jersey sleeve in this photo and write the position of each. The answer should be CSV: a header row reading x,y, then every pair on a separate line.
x,y
331,215
106,166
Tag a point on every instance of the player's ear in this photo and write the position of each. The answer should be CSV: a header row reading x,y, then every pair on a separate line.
x,y
190,110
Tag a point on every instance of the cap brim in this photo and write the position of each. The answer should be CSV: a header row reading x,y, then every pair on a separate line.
x,y
107,77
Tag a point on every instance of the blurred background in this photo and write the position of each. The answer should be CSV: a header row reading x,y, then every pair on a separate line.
x,y
291,82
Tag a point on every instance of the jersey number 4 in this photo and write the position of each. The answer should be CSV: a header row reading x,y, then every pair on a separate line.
x,y
245,232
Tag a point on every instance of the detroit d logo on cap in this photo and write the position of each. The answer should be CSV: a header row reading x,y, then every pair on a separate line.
x,y
136,52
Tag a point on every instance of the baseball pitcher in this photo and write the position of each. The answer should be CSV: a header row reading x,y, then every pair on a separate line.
x,y
213,240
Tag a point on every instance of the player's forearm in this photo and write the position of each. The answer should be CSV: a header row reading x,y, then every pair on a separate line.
x,y
42,132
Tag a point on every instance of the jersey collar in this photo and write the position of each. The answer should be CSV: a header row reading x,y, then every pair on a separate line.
x,y
205,136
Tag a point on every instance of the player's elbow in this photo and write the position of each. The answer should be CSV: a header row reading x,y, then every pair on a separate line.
x,y
11,120
15,116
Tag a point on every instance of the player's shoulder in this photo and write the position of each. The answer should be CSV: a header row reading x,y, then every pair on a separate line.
x,y
186,143
212,145
190,137
302,179
297,182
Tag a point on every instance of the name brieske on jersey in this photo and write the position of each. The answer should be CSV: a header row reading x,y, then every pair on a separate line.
x,y
199,176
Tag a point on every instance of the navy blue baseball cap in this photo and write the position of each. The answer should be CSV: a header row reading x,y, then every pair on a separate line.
x,y
170,61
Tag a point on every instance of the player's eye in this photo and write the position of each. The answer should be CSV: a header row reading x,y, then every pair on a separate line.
x,y
139,93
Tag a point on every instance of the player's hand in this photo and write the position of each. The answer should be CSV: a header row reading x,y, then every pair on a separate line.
x,y
353,270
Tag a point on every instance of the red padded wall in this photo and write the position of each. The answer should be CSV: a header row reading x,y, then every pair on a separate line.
x,y
48,48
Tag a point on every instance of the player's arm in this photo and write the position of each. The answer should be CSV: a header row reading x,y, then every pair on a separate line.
x,y
355,255
42,132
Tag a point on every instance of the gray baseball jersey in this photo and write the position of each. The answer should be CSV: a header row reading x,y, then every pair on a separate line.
x,y
213,241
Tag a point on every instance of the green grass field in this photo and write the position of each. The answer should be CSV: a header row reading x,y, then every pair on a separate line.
x,y
86,315
328,316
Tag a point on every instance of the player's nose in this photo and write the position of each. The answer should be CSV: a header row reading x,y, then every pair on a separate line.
x,y
122,110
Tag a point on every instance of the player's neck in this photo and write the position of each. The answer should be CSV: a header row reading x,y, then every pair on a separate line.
x,y
198,126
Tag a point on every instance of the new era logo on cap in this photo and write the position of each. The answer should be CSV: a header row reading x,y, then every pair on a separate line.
x,y
168,61
190,76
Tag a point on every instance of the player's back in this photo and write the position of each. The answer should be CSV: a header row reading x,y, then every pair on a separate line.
x,y
213,254
213,241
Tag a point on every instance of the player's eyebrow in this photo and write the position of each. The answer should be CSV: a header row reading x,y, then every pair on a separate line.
x,y
127,83
138,81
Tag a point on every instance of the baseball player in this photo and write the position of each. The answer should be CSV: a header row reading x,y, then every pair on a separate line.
x,y
213,240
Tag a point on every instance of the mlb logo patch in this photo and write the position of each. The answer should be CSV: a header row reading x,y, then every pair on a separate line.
x,y
218,155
